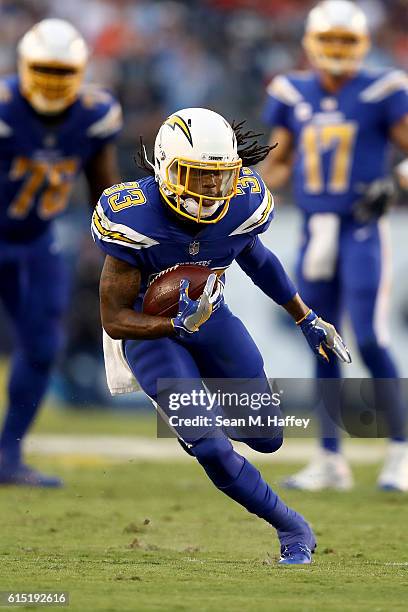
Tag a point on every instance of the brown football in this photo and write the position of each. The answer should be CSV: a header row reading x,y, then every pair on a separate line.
x,y
162,295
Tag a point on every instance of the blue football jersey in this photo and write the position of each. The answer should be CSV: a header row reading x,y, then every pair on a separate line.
x,y
341,141
131,222
39,162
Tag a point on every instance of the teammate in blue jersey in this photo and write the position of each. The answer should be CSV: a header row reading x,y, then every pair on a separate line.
x,y
50,131
202,207
334,126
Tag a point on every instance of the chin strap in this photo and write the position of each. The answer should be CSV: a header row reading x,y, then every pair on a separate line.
x,y
192,207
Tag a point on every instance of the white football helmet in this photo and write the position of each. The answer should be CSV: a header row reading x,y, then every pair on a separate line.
x,y
336,37
52,57
196,164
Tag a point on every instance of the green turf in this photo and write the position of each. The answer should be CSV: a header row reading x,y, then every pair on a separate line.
x,y
62,420
146,536
157,536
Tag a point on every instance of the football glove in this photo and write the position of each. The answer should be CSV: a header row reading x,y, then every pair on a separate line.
x,y
375,200
323,337
193,313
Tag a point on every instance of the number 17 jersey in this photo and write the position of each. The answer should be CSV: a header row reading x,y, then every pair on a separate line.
x,y
341,141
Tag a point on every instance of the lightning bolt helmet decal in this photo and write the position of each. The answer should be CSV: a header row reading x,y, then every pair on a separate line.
x,y
176,121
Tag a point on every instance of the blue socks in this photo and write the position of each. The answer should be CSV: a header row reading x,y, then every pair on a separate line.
x,y
330,437
237,478
389,398
27,386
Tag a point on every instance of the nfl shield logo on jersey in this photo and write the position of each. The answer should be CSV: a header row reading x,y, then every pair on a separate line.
x,y
194,247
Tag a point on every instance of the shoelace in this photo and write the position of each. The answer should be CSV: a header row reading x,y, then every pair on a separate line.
x,y
287,550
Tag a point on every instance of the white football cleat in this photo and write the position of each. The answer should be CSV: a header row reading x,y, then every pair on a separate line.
x,y
326,471
394,475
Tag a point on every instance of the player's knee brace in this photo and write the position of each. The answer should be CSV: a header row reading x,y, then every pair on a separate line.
x,y
217,456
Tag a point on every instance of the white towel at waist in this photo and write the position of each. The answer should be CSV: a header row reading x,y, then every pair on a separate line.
x,y
119,376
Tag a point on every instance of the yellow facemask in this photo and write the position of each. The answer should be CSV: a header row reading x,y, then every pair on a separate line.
x,y
50,87
337,50
196,190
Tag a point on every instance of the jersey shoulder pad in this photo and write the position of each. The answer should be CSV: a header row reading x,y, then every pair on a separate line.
x,y
123,216
104,112
288,88
381,84
255,203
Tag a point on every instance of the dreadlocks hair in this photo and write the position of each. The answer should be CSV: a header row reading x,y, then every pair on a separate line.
x,y
142,160
249,150
251,153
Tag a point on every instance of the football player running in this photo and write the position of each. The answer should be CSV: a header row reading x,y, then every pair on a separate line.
x,y
334,125
202,206
50,130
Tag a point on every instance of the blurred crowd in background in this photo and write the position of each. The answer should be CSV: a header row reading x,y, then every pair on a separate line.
x,y
157,56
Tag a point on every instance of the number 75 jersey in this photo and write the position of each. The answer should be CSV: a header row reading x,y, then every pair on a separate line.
x,y
39,161
341,141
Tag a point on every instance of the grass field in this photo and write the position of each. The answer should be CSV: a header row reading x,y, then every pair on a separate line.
x,y
148,537
157,536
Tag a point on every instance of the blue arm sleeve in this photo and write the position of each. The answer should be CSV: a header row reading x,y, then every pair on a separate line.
x,y
267,272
